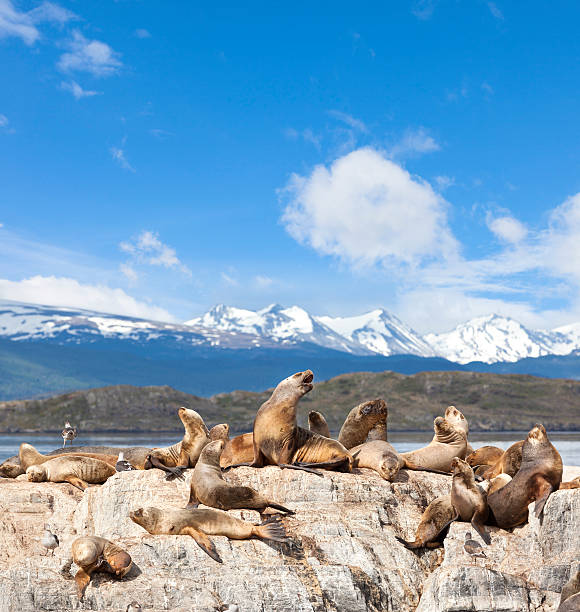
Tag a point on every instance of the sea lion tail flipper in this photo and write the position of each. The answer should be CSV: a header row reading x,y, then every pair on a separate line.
x,y
337,464
409,545
481,530
176,472
235,465
271,529
77,482
193,501
82,579
540,503
420,468
202,540
296,466
281,508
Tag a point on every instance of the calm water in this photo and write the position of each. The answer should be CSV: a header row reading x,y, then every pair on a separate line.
x,y
567,443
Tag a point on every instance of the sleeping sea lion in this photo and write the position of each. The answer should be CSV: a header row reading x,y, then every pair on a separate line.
x,y
28,456
94,554
203,522
379,456
182,455
539,475
209,487
438,515
360,420
279,441
468,499
509,462
448,442
317,423
238,450
78,471
485,455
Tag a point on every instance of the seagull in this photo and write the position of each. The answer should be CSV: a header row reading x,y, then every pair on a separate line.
x,y
134,606
49,540
122,464
68,433
473,547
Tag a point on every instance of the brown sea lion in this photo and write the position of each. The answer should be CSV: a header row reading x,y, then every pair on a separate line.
x,y
11,468
570,595
279,441
28,456
379,456
220,432
468,499
203,522
94,554
378,432
458,419
571,484
496,483
238,450
317,423
448,442
360,420
539,475
78,471
485,455
209,487
182,455
438,515
572,604
509,462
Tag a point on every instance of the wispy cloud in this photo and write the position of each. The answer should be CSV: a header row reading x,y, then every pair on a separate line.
x,y
92,56
414,142
142,33
487,88
263,282
507,228
307,135
3,121
148,249
118,155
444,182
423,9
495,11
349,120
14,23
52,13
77,91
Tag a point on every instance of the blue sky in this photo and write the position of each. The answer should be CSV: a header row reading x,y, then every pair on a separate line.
x,y
161,157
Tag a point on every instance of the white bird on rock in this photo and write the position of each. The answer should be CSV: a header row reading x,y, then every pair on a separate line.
x,y
68,433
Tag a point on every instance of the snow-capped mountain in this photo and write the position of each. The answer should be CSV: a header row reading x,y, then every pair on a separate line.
x,y
380,332
284,325
495,338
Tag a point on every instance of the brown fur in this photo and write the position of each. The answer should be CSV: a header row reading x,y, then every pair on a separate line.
x,y
360,420
30,456
539,475
498,482
78,471
509,462
379,456
220,432
485,455
238,450
209,487
571,484
570,589
437,516
317,423
378,432
94,554
468,499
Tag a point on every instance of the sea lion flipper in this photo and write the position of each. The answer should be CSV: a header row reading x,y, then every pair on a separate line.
x,y
327,465
203,541
76,482
234,465
420,468
271,529
297,466
409,545
82,579
480,528
541,502
281,508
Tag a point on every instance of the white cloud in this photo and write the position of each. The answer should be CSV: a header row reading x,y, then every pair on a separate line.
x,y
307,135
142,33
50,12
366,209
16,23
229,278
507,229
444,182
487,88
77,91
3,120
560,243
130,273
54,291
349,120
414,142
147,248
423,9
263,282
118,154
91,56
495,11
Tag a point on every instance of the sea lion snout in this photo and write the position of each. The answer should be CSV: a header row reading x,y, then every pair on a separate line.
x,y
538,432
377,406
35,473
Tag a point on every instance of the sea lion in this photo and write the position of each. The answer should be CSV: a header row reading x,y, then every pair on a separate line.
x,y
468,499
438,515
317,423
378,432
570,595
78,471
279,441
509,462
220,432
28,456
203,522
360,420
238,450
571,484
485,455
182,455
448,442
11,468
496,483
94,554
209,487
379,456
572,604
539,475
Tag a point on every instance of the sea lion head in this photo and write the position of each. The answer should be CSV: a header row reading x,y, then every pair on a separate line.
x,y
297,385
446,432
36,473
389,467
211,453
316,418
85,552
146,517
220,432
537,434
120,563
191,420
456,417
459,466
376,407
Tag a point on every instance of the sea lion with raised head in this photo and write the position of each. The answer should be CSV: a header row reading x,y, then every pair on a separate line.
x,y
539,475
78,471
378,432
468,499
379,456
360,420
220,432
484,456
509,462
432,528
278,440
203,522
94,554
317,423
238,450
448,442
209,487
28,456
182,455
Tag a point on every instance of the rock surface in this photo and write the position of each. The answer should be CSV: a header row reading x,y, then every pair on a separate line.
x,y
343,555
